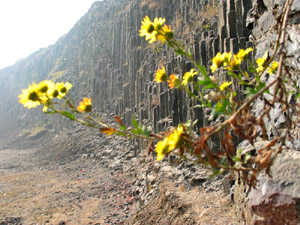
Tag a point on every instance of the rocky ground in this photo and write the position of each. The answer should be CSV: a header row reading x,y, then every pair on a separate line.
x,y
78,177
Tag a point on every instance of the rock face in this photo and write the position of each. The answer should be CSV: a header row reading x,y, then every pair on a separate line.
x,y
274,200
104,58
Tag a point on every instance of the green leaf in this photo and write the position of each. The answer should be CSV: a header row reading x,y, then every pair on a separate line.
x,y
252,69
221,107
134,123
204,82
137,131
68,114
231,73
240,76
180,52
236,158
210,86
191,94
204,105
50,112
147,132
202,69
250,91
122,127
189,53
234,75
198,64
196,88
120,133
257,78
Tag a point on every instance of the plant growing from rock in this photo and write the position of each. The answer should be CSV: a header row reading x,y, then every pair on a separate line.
x,y
233,116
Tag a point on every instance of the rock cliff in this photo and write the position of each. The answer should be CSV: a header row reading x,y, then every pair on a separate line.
x,y
104,58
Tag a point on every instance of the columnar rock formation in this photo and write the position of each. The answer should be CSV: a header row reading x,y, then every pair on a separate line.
x,y
104,58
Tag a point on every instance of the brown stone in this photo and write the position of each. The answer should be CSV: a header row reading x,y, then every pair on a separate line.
x,y
271,209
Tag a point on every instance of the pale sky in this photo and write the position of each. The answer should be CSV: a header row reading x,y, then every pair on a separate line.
x,y
28,25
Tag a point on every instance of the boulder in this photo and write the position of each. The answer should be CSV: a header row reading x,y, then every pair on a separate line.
x,y
276,199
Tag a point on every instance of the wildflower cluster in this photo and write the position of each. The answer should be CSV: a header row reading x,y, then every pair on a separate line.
x,y
173,80
220,96
43,93
48,94
228,61
209,91
233,62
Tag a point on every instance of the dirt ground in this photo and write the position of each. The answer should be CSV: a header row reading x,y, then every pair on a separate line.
x,y
33,191
68,194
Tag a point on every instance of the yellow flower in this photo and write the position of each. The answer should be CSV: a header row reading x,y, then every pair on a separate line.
x,y
261,62
169,143
188,77
158,22
85,105
148,30
217,62
160,75
174,138
234,64
147,27
155,30
46,89
62,89
45,108
220,60
273,68
162,148
45,86
173,81
165,34
243,54
225,85
226,57
30,97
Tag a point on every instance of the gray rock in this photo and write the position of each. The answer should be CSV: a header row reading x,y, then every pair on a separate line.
x,y
276,199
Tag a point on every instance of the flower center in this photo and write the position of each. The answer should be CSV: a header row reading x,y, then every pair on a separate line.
x,y
44,89
88,108
63,90
150,29
33,96
55,94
